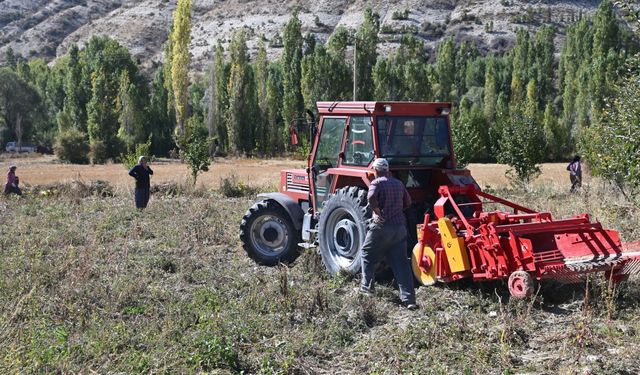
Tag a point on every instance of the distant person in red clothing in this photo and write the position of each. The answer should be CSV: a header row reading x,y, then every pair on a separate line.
x,y
575,173
12,182
387,235
142,172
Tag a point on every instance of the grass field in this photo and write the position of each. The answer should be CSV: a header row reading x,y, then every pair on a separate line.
x,y
88,284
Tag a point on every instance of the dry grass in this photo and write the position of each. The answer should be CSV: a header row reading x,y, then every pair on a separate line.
x,y
92,285
44,170
47,170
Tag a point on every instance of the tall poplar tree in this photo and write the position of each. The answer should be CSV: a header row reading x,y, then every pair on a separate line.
x,y
262,75
180,58
366,54
293,103
221,104
446,69
74,97
242,97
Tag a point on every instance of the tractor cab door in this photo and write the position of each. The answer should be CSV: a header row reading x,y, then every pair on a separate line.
x,y
326,155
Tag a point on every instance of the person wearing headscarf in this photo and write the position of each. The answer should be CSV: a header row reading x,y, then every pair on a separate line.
x,y
12,182
575,173
142,172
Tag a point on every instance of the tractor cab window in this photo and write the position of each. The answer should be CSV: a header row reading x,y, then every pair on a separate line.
x,y
330,143
414,140
359,148
327,154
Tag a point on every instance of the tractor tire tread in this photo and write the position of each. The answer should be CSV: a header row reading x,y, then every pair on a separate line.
x,y
268,205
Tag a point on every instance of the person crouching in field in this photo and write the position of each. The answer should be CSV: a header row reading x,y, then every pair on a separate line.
x,y
12,182
142,172
575,173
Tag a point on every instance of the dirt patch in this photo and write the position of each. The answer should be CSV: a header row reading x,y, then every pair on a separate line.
x,y
45,170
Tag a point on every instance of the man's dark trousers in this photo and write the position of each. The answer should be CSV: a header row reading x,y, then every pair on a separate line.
x,y
388,241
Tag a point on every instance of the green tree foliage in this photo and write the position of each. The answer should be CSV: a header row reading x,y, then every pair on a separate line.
x,y
366,54
261,68
75,95
160,122
102,123
276,129
47,82
20,106
405,75
248,106
611,146
467,129
490,91
194,150
130,107
220,97
72,146
130,159
324,77
446,69
180,58
293,102
243,102
521,139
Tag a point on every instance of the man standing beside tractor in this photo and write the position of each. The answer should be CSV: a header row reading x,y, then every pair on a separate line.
x,y
387,234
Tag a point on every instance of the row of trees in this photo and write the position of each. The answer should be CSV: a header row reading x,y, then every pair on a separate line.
x,y
520,108
93,103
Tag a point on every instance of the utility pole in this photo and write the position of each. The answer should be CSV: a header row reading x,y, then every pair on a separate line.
x,y
355,75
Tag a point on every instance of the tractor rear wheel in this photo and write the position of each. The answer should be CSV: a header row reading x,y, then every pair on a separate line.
x,y
268,235
342,228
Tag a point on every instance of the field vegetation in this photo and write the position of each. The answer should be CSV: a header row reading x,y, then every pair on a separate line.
x,y
89,284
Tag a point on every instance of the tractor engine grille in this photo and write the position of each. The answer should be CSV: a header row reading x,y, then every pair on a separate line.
x,y
293,185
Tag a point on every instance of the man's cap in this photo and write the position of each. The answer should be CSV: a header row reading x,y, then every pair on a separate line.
x,y
12,167
381,164
141,158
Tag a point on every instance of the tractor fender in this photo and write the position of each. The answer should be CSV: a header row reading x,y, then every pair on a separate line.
x,y
292,207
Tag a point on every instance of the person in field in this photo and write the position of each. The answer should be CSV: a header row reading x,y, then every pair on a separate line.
x,y
387,235
142,173
575,173
12,182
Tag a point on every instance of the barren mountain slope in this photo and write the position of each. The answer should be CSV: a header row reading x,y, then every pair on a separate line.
x,y
40,28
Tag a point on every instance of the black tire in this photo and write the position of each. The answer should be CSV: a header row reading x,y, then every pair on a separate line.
x,y
342,229
268,235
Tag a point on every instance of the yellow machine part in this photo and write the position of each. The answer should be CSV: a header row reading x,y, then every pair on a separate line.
x,y
453,246
425,278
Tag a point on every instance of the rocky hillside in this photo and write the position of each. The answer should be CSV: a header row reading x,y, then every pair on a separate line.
x,y
46,28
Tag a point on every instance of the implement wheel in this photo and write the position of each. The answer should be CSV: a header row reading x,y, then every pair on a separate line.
x,y
342,230
520,284
268,235
426,275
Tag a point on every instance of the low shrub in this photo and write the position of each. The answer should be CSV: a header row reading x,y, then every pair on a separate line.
x,y
72,146
232,188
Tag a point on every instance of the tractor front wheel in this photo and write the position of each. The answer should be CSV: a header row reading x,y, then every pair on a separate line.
x,y
342,228
268,235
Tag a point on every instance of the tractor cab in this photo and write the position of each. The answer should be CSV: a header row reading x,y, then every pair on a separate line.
x,y
414,137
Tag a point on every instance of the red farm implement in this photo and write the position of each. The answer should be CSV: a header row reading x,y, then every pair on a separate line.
x,y
521,245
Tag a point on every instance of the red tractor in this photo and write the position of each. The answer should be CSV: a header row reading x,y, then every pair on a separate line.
x,y
453,234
